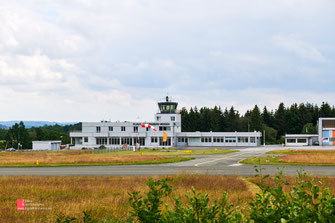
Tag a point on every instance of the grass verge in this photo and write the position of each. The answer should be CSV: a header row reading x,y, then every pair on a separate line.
x,y
173,152
104,196
295,157
161,160
94,158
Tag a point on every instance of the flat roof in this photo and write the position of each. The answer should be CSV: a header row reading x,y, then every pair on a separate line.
x,y
300,135
47,141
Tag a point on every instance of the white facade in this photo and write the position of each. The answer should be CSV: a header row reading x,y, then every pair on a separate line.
x,y
326,130
46,145
109,134
300,139
325,136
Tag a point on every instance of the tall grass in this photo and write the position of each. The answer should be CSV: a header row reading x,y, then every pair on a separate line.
x,y
70,196
72,157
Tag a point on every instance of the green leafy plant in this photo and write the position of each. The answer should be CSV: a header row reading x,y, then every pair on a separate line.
x,y
198,208
306,201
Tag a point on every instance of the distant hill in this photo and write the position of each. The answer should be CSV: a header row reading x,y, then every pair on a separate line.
x,y
3,127
29,124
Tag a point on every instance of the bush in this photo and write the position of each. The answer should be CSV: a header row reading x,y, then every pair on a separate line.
x,y
305,201
198,209
102,147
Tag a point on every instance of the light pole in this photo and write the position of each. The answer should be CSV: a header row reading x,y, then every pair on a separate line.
x,y
138,133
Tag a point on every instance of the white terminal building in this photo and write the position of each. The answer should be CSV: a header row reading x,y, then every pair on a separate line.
x,y
111,134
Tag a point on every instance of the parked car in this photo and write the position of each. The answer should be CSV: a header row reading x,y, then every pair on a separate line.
x,y
11,149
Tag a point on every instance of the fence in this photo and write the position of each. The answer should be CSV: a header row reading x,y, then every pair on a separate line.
x,y
114,149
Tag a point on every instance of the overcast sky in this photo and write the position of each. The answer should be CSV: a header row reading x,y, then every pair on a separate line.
x,y
85,60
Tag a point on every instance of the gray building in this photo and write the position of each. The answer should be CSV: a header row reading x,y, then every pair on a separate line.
x,y
325,136
110,134
46,145
326,130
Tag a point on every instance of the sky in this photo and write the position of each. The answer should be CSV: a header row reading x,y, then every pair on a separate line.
x,y
85,60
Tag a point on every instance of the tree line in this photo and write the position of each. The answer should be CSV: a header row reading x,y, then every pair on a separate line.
x,y
293,119
20,137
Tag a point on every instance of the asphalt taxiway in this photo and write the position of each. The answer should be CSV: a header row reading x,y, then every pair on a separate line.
x,y
220,164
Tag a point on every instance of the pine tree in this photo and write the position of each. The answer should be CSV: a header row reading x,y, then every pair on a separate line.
x,y
280,120
256,120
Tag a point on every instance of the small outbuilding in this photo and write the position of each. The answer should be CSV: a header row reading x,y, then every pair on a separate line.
x,y
46,145
301,139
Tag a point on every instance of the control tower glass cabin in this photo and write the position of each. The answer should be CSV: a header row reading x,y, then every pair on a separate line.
x,y
167,107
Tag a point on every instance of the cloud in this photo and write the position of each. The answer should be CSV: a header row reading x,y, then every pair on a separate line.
x,y
300,48
84,60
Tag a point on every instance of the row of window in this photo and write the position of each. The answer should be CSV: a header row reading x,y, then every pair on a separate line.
x,y
182,139
135,128
128,140
296,140
173,118
116,141
131,141
223,139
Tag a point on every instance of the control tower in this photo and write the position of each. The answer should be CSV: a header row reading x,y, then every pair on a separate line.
x,y
167,107
167,117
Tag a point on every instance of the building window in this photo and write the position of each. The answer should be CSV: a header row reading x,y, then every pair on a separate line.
x,y
173,118
182,139
114,141
218,139
302,140
291,140
98,129
140,140
158,118
230,139
252,139
126,140
123,128
164,128
154,139
242,139
110,128
135,128
167,143
206,139
85,139
101,141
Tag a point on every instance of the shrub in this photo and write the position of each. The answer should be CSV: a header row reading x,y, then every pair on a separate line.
x,y
147,209
102,147
305,201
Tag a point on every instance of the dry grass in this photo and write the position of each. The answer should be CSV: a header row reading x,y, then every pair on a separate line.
x,y
295,157
79,157
321,181
317,158
105,196
309,156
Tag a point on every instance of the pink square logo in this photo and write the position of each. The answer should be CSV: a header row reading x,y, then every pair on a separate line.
x,y
20,204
